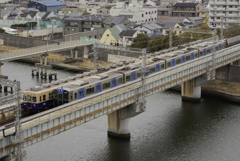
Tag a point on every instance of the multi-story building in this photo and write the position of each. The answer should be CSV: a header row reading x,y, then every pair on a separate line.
x,y
135,12
186,9
204,14
228,9
164,10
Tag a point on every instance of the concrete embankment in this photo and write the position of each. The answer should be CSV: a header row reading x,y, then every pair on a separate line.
x,y
220,89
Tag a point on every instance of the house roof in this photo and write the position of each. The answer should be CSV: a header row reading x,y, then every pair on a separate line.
x,y
195,18
169,24
185,5
51,3
115,32
127,32
118,19
46,15
155,25
121,27
4,12
32,13
181,24
170,19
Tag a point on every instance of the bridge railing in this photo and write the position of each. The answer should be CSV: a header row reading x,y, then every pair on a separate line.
x,y
45,48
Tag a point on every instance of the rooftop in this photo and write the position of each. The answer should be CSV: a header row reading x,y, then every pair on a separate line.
x,y
51,3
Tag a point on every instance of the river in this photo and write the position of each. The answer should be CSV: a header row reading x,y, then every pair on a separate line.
x,y
169,130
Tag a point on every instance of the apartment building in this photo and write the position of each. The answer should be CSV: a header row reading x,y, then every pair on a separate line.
x,y
228,9
186,9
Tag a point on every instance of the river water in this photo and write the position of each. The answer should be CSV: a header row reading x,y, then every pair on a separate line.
x,y
169,130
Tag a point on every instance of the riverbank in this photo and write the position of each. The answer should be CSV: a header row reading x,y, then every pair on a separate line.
x,y
220,89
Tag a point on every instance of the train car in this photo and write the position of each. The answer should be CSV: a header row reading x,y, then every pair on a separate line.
x,y
35,100
80,89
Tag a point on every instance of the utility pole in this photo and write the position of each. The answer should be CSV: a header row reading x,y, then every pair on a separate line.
x,y
142,99
170,37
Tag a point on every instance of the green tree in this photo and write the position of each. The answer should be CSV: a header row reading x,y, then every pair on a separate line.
x,y
2,30
85,13
141,41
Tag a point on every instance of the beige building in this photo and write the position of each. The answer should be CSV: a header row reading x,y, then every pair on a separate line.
x,y
186,9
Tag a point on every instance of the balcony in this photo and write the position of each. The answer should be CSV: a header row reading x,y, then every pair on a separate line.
x,y
232,9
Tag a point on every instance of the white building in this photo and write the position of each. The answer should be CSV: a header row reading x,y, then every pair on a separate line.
x,y
228,9
126,37
135,12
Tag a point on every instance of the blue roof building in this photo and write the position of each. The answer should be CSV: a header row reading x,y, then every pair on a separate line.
x,y
45,6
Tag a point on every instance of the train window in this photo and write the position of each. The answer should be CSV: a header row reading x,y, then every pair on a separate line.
x,y
114,82
65,96
192,56
98,87
219,47
152,70
119,81
216,48
81,93
49,95
133,76
204,52
55,95
196,55
75,95
173,62
106,85
34,99
162,66
138,75
128,78
212,48
44,97
40,99
24,98
59,97
208,51
169,64
90,91
188,58
178,61
183,59
158,68
29,98
147,71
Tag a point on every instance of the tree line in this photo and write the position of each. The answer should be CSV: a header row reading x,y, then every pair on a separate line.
x,y
162,42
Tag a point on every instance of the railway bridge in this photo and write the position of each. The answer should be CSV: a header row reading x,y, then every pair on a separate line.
x,y
119,103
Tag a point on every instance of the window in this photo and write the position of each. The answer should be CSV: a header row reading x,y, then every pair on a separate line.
x,y
34,99
106,85
75,95
169,64
162,66
90,9
67,29
151,70
178,61
44,97
128,78
100,11
24,98
49,97
107,34
40,99
90,91
73,29
188,58
119,81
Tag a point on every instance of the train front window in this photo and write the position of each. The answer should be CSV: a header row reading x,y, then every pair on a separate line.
x,y
29,98
44,97
188,58
55,96
119,81
152,70
34,99
24,98
128,78
65,96
60,97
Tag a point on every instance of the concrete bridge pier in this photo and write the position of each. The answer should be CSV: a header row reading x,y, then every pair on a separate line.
x,y
86,50
191,89
72,53
191,92
119,121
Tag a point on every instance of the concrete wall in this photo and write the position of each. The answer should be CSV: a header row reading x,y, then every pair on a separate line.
x,y
95,34
228,73
103,54
22,42
117,58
